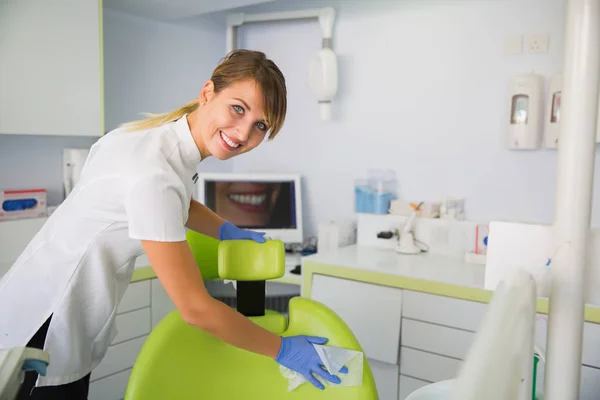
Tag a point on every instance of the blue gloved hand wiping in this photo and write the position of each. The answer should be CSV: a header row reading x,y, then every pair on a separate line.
x,y
228,231
298,354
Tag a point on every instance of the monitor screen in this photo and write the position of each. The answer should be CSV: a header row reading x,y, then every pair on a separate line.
x,y
253,204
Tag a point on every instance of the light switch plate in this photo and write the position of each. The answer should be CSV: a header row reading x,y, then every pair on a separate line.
x,y
513,44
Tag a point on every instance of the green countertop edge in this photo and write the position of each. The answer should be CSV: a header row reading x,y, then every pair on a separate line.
x,y
145,273
310,268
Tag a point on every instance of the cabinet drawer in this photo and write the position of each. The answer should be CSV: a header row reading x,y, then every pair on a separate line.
x,y
590,383
456,313
437,339
591,345
132,325
119,358
386,379
590,355
110,388
409,385
372,312
136,296
427,366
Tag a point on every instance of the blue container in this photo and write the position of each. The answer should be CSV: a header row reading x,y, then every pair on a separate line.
x,y
363,198
381,203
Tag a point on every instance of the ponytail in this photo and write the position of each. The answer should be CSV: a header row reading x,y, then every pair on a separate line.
x,y
155,120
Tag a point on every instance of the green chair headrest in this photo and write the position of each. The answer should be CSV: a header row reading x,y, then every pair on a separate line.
x,y
247,260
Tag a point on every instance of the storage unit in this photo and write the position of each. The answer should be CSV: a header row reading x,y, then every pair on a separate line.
x,y
374,314
413,338
144,304
51,63
133,322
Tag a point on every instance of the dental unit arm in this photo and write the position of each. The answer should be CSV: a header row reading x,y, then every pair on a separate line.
x,y
13,364
322,75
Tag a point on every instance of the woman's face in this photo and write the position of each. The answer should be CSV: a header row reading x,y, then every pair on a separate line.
x,y
231,122
246,203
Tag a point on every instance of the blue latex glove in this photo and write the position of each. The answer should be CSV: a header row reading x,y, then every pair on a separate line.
x,y
298,354
229,231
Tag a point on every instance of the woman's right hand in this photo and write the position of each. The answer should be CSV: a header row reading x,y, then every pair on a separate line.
x,y
298,354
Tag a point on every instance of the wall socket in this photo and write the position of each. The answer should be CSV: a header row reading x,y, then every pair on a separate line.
x,y
537,43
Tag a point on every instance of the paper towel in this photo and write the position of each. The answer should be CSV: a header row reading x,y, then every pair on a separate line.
x,y
333,358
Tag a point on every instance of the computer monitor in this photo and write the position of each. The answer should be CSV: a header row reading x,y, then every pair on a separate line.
x,y
270,203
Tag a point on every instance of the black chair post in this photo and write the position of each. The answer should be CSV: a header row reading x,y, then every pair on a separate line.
x,y
251,298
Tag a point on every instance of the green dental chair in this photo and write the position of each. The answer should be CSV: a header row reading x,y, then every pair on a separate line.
x,y
180,361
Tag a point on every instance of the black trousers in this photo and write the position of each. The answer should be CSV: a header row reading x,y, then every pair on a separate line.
x,y
77,390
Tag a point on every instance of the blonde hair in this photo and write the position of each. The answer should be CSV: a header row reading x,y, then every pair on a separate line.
x,y
237,66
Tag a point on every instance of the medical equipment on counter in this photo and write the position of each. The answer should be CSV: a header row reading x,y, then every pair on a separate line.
x,y
482,233
13,364
73,162
552,124
322,66
526,99
335,234
375,194
405,208
16,204
452,208
406,241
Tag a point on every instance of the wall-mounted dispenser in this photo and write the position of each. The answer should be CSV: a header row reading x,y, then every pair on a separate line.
x,y
552,114
526,99
322,73
73,162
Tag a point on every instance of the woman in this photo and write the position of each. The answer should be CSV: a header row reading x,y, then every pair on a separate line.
x,y
135,196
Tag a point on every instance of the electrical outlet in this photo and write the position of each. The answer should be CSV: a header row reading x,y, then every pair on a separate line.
x,y
537,43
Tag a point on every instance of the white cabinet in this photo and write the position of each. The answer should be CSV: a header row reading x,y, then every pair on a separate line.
x,y
177,9
437,339
447,311
408,385
134,324
372,312
50,67
112,387
386,379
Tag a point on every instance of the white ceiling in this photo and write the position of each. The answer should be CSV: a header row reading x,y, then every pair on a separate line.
x,y
171,10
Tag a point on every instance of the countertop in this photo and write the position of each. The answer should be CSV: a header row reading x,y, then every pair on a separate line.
x,y
424,266
425,272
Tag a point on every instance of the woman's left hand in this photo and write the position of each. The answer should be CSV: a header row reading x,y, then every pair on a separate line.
x,y
229,231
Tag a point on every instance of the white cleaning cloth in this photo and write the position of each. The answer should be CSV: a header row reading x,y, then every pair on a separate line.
x,y
333,358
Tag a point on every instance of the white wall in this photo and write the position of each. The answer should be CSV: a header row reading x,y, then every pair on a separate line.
x,y
423,91
156,67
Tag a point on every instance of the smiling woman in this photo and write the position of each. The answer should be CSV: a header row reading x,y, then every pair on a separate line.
x,y
134,196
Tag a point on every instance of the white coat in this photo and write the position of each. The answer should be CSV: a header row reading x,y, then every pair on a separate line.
x,y
135,185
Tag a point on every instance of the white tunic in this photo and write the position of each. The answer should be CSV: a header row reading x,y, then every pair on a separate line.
x,y
135,185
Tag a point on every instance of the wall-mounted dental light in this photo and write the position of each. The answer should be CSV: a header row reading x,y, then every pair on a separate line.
x,y
322,65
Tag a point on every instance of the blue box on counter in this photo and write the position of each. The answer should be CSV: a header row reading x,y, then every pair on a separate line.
x,y
370,200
